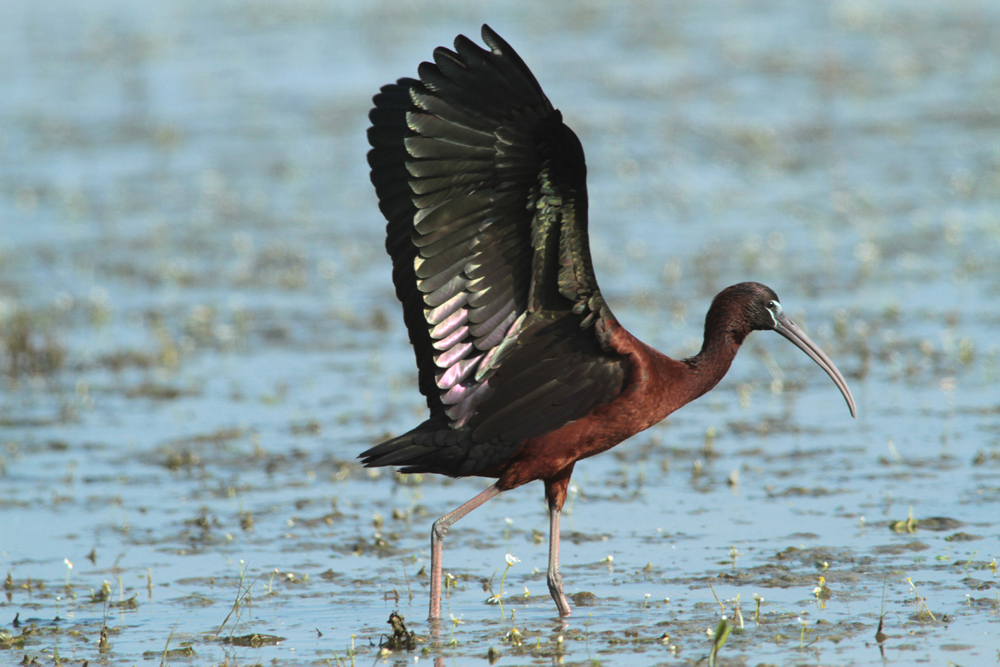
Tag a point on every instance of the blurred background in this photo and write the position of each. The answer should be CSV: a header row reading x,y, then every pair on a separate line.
x,y
198,333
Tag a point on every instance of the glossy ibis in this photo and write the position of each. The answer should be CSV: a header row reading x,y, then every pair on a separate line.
x,y
525,369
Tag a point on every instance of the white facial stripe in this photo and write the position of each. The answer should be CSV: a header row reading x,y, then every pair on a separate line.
x,y
775,311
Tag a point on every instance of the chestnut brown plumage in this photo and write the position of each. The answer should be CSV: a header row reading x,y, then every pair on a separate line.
x,y
525,369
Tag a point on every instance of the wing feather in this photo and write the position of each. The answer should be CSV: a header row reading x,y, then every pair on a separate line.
x,y
484,191
437,315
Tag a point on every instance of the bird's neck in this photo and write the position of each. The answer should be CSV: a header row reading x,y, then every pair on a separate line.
x,y
710,365
667,384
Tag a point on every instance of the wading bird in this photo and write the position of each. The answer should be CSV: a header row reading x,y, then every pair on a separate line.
x,y
525,369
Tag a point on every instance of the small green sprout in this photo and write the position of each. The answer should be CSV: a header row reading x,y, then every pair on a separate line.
x,y
722,631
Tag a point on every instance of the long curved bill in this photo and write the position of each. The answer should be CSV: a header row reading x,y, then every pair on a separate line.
x,y
789,330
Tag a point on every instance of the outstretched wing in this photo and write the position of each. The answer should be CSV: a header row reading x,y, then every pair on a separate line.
x,y
484,190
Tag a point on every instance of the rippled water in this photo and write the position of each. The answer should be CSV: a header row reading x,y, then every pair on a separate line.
x,y
199,335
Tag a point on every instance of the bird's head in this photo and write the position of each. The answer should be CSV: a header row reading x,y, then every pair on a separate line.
x,y
747,307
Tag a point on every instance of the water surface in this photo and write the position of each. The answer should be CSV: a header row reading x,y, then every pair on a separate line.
x,y
200,335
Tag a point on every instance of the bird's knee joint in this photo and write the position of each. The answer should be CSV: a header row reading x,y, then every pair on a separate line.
x,y
438,530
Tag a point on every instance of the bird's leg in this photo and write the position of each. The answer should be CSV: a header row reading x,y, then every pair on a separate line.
x,y
554,578
441,527
555,493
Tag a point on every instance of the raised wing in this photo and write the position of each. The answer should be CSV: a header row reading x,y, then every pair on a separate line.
x,y
484,190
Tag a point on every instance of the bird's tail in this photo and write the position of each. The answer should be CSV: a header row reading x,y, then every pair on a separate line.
x,y
399,451
429,447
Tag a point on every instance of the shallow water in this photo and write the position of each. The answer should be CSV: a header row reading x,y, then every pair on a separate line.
x,y
200,335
